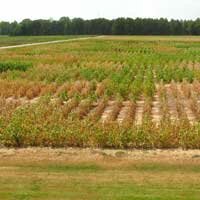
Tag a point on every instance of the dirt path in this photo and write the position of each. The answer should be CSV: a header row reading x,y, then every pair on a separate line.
x,y
50,42
172,104
139,112
156,114
111,111
78,154
126,113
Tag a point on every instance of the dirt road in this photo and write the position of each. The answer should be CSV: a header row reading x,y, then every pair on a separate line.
x,y
99,154
50,42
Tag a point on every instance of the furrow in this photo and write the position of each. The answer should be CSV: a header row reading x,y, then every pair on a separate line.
x,y
171,101
97,110
22,101
139,112
111,111
155,112
126,114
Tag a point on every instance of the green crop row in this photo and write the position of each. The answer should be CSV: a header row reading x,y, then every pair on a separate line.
x,y
14,65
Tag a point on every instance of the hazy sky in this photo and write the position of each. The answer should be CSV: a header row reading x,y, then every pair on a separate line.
x,y
19,9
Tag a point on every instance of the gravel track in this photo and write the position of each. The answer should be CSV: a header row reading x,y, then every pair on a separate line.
x,y
50,42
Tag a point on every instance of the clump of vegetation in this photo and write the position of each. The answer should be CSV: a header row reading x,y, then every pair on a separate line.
x,y
14,65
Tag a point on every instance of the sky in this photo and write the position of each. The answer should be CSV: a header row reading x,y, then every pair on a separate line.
x,y
18,10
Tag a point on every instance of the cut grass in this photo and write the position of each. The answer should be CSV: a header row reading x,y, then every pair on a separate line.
x,y
121,180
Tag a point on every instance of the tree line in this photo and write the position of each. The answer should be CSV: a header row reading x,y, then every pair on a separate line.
x,y
101,26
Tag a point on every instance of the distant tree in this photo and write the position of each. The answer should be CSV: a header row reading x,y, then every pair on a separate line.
x,y
163,27
119,26
77,26
26,27
98,26
195,27
65,24
176,27
188,27
15,29
4,28
130,26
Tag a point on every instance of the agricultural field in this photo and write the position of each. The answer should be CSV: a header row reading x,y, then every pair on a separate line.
x,y
108,92
12,40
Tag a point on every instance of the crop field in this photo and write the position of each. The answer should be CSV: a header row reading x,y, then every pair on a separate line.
x,y
114,92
